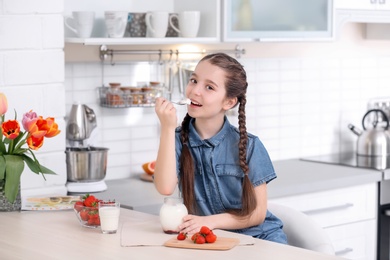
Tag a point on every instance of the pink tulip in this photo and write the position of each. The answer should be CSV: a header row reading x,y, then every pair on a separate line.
x,y
3,104
29,120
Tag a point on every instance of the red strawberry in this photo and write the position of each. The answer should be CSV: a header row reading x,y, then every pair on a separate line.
x,y
84,215
78,206
91,201
204,230
211,237
181,236
200,239
194,236
93,218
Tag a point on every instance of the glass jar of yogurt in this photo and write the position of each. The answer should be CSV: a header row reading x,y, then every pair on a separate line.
x,y
171,214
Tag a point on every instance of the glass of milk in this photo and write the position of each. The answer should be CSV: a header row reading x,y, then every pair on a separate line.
x,y
171,214
109,216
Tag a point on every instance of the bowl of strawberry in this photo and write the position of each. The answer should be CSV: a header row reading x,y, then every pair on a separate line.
x,y
87,211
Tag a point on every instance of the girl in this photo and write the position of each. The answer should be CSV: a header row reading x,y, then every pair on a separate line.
x,y
222,172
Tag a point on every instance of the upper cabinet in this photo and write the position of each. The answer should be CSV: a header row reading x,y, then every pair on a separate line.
x,y
209,29
362,4
264,20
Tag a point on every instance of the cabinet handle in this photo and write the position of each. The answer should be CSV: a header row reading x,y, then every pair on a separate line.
x,y
321,210
373,1
382,2
343,251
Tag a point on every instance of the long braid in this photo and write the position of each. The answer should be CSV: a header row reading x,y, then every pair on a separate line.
x,y
248,197
187,176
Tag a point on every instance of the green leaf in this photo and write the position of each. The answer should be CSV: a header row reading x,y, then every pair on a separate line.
x,y
33,165
2,145
2,167
14,166
46,170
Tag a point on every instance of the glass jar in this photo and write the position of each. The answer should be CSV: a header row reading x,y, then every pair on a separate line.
x,y
171,214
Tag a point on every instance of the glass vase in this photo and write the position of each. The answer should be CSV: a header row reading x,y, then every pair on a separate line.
x,y
5,205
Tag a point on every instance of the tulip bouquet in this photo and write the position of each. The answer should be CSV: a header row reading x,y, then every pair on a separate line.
x,y
16,147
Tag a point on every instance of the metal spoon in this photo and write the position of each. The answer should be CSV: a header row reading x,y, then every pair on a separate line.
x,y
184,101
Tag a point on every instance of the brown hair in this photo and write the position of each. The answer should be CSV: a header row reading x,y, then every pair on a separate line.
x,y
236,86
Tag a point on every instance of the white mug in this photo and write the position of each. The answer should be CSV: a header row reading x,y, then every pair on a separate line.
x,y
188,22
157,24
83,23
116,22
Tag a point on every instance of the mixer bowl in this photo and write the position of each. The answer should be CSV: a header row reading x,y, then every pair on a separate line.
x,y
86,164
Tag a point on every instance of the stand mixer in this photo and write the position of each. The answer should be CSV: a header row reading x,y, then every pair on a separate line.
x,y
86,165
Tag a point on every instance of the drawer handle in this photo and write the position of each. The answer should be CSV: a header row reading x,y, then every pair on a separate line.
x,y
343,251
333,208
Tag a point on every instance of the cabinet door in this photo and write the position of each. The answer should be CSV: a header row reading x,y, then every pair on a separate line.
x,y
354,241
257,20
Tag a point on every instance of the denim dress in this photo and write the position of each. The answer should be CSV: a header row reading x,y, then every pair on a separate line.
x,y
218,176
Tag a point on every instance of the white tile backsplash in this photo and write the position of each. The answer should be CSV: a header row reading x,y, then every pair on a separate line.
x,y
32,76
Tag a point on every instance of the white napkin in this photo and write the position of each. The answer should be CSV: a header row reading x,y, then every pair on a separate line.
x,y
149,233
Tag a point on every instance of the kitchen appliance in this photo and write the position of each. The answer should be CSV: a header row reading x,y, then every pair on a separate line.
x,y
86,165
373,141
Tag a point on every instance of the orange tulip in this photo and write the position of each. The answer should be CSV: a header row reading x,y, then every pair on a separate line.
x,y
3,104
35,143
49,126
11,129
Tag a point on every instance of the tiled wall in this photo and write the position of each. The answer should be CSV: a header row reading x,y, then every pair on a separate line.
x,y
32,77
297,106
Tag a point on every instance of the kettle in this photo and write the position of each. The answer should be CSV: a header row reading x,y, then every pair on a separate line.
x,y
374,141
81,122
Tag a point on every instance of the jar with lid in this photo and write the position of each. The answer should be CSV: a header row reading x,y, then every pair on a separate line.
x,y
171,214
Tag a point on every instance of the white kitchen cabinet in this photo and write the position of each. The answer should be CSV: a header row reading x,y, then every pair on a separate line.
x,y
349,216
362,4
263,20
209,30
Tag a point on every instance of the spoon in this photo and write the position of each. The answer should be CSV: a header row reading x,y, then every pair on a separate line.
x,y
184,101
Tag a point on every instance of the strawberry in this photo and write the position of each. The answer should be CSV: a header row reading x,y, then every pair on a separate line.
x,y
78,206
211,237
194,236
204,230
181,236
93,218
91,201
200,239
84,215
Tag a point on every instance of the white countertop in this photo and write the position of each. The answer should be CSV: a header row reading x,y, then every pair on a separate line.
x,y
293,177
58,235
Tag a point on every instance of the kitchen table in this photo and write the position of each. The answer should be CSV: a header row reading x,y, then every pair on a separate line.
x,y
58,235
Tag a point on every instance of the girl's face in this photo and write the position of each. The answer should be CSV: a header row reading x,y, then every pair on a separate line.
x,y
207,92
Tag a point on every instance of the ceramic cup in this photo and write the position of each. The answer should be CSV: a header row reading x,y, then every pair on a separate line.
x,y
81,23
116,22
189,23
157,24
175,21
136,25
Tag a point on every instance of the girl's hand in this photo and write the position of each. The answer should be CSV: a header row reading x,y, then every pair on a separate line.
x,y
192,224
166,112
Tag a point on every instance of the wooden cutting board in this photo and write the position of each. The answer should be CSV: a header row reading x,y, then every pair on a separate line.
x,y
222,243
